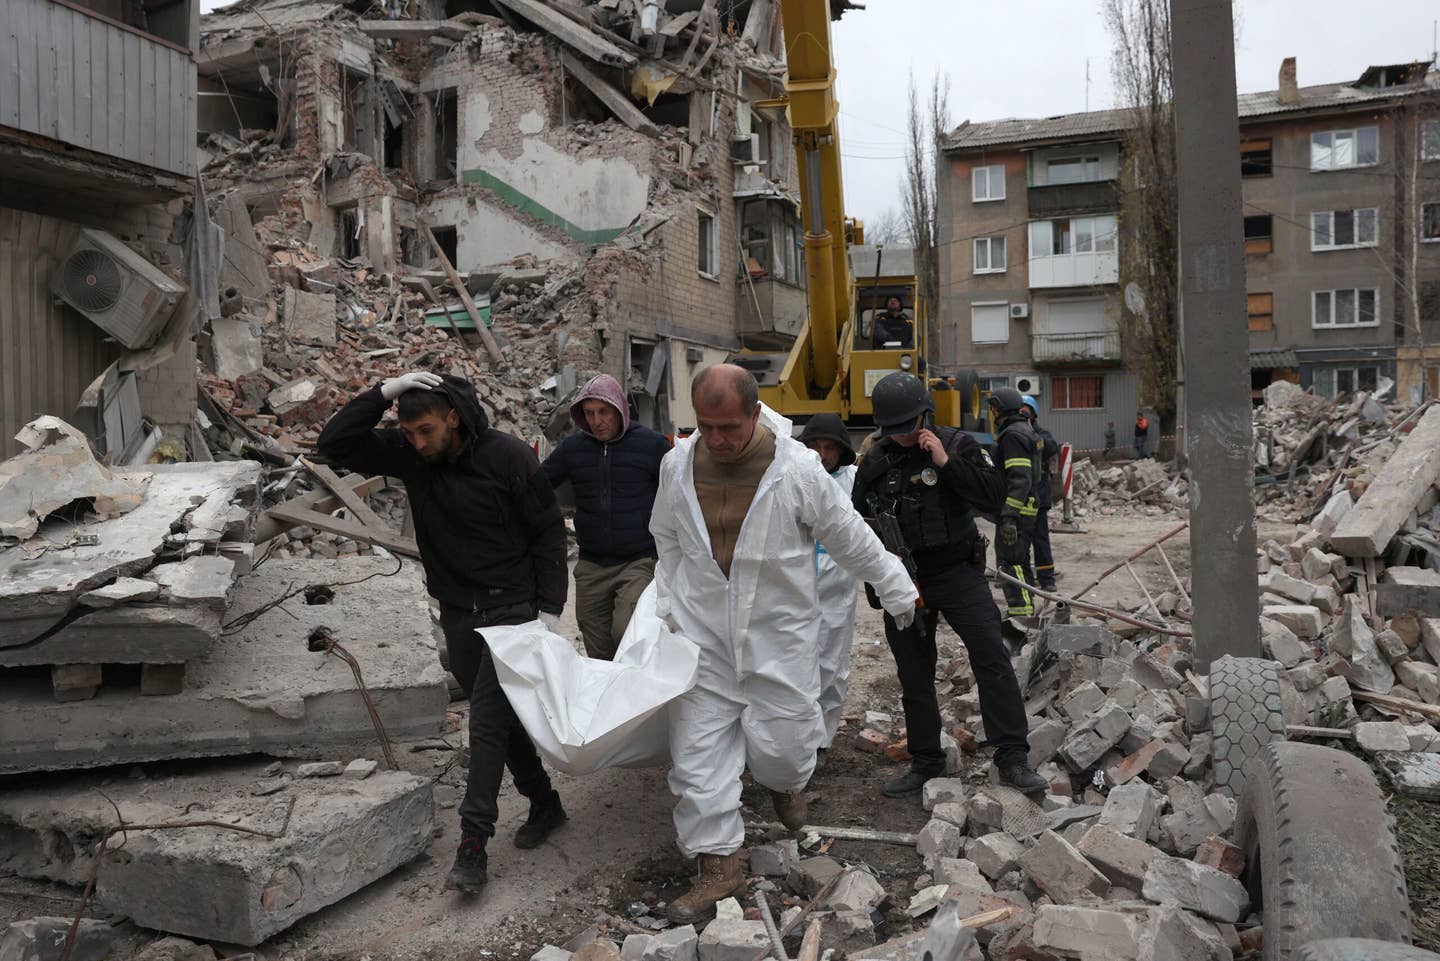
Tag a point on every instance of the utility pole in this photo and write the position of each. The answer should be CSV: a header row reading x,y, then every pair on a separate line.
x,y
1214,339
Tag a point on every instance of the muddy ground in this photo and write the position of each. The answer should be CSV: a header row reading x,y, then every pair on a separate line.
x,y
616,857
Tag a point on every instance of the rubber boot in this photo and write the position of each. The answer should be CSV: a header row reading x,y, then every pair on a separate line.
x,y
717,876
792,809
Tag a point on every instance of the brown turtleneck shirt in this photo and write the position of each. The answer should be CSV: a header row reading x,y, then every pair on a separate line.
x,y
725,490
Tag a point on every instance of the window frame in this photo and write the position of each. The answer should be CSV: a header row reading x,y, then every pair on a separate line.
x,y
989,267
988,170
1084,160
1100,243
1427,206
1354,133
1430,139
1004,306
1355,228
1060,391
713,252
1333,371
1333,296
1254,147
1259,243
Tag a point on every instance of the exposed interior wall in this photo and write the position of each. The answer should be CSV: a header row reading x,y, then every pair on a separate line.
x,y
487,233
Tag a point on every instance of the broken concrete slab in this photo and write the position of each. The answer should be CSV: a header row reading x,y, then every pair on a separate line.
x,y
133,634
310,318
942,789
1413,469
1304,621
775,860
1196,887
857,891
1098,733
1406,589
1090,934
1062,872
995,854
1122,859
235,350
1373,736
1413,774
57,469
244,264
37,592
1363,665
1130,809
260,689
939,839
1175,935
1281,644
732,940
1078,639
337,836
123,590
43,939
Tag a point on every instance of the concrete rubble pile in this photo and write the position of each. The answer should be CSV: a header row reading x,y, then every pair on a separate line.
x,y
138,624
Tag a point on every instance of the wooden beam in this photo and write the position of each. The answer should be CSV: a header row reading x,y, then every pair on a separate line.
x,y
1305,730
353,502
620,105
1388,502
491,348
267,526
584,40
346,528
1397,703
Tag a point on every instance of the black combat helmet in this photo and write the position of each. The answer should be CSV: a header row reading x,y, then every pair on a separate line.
x,y
898,401
1007,400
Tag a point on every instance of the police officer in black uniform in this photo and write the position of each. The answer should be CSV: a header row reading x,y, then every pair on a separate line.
x,y
933,480
1020,455
1044,498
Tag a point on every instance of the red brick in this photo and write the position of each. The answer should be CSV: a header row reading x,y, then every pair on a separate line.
x,y
1222,855
871,742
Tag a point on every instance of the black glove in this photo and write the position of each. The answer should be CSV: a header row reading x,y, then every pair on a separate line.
x,y
1007,533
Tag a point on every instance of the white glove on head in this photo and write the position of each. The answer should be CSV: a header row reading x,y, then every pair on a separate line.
x,y
903,621
551,621
393,387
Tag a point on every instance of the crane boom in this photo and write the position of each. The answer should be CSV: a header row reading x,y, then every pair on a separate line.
x,y
810,85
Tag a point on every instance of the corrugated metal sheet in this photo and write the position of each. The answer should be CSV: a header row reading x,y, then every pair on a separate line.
x,y
48,353
88,83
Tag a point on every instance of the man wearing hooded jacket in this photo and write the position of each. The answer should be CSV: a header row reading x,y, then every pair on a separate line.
x,y
492,543
835,588
740,507
614,467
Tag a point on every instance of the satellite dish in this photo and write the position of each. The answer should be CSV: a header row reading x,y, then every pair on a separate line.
x,y
1135,299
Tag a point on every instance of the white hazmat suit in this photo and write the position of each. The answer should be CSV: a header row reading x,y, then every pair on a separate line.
x,y
835,589
755,700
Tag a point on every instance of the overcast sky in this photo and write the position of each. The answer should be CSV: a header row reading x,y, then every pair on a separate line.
x,y
1027,58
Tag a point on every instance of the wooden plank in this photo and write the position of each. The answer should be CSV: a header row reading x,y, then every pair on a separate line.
x,y
1304,730
1397,703
619,104
322,500
345,528
353,502
583,40
679,22
491,347
1386,504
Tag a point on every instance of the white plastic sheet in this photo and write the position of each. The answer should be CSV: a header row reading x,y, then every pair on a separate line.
x,y
584,714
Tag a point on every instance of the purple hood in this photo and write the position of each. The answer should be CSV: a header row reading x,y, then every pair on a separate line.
x,y
606,388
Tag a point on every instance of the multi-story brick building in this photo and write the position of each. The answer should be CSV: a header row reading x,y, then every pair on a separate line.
x,y
1341,189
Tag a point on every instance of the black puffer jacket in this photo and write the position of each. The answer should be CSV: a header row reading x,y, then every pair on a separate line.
x,y
615,486
487,523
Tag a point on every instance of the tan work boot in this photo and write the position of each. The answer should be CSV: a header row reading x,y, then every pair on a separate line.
x,y
717,876
791,808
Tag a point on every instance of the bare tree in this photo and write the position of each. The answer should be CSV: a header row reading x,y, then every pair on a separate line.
x,y
925,124
888,228
1149,238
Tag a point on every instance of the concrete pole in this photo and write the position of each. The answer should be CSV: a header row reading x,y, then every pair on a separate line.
x,y
1214,336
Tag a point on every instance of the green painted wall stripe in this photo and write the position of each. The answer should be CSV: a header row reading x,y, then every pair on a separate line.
x,y
528,205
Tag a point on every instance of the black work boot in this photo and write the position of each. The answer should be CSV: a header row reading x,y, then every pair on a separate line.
x,y
545,816
1023,779
469,873
911,782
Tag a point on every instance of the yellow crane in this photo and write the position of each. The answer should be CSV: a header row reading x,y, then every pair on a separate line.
x,y
836,361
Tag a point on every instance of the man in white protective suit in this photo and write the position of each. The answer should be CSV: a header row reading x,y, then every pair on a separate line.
x,y
736,518
835,587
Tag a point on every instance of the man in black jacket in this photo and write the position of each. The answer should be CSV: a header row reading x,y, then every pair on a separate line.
x,y
614,467
894,326
932,481
492,542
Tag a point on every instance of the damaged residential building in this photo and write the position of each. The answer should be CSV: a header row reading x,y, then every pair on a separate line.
x,y
96,175
608,174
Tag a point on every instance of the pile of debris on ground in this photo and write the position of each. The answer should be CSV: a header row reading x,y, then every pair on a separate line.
x,y
139,625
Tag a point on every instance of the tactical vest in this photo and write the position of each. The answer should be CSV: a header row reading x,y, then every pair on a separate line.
x,y
909,486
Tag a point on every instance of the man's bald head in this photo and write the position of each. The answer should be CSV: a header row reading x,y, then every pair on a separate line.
x,y
722,384
727,408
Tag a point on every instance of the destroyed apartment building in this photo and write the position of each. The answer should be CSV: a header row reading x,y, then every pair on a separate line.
x,y
607,178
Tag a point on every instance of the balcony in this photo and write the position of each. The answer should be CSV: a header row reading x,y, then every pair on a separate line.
x,y
1086,347
1075,270
780,315
1060,200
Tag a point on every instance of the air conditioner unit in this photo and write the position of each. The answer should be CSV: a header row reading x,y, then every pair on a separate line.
x,y
1028,384
118,290
1019,311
